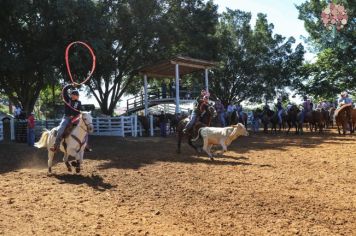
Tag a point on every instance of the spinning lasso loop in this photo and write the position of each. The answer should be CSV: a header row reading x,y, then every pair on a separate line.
x,y
69,70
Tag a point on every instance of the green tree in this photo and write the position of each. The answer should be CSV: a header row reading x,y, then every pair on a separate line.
x,y
255,65
335,67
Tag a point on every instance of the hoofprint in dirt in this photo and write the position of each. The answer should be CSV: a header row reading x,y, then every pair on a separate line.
x,y
264,185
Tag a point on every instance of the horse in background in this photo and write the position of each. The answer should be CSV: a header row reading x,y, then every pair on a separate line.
x,y
173,120
145,122
266,118
318,120
353,120
343,118
270,116
201,122
235,118
72,144
292,118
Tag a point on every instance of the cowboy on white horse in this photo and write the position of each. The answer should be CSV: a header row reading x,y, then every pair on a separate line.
x,y
73,144
69,113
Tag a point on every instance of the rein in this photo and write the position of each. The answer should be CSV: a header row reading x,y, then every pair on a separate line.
x,y
86,136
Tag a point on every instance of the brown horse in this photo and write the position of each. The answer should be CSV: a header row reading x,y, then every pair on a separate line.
x,y
318,120
204,121
292,118
235,118
145,122
353,120
343,118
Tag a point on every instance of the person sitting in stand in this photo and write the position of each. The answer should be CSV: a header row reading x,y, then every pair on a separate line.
x,y
279,110
69,113
196,111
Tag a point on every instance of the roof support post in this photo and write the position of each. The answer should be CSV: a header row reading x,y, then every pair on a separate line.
x,y
177,88
145,91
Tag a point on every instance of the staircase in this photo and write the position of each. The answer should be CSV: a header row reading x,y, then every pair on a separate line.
x,y
137,103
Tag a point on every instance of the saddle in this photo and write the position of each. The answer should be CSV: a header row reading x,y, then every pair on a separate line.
x,y
341,109
68,130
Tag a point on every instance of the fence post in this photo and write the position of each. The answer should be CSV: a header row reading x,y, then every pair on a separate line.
x,y
151,125
132,126
109,124
135,125
122,126
12,126
97,125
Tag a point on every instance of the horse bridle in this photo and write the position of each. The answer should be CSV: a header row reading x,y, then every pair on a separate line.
x,y
87,125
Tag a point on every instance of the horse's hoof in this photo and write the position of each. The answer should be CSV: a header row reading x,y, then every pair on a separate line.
x,y
77,170
69,169
211,159
74,163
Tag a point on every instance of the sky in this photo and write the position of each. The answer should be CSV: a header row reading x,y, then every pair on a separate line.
x,y
281,13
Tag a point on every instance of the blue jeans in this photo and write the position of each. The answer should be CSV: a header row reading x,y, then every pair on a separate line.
x,y
303,116
255,124
30,136
62,126
222,119
191,122
280,116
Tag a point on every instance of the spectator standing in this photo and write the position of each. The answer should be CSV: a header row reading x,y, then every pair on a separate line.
x,y
164,89
220,110
31,130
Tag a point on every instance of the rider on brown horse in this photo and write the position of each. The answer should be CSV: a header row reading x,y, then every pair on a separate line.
x,y
196,111
345,100
199,110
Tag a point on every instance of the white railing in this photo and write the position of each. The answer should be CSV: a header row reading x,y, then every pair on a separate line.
x,y
1,131
117,126
105,126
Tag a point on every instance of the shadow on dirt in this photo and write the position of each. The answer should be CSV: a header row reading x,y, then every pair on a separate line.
x,y
94,181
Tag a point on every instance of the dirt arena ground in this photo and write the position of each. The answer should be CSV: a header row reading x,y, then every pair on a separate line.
x,y
264,185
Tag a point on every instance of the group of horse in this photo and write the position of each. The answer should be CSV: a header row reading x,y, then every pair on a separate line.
x,y
316,120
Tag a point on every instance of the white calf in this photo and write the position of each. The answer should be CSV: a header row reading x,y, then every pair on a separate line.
x,y
223,136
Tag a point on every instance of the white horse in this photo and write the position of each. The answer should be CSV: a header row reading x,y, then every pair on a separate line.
x,y
75,142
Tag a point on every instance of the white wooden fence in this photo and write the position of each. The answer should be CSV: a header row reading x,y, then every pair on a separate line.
x,y
117,126
105,126
1,131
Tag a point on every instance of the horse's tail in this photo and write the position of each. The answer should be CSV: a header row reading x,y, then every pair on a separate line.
x,y
195,139
42,143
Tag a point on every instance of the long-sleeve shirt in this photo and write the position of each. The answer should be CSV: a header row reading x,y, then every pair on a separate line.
x,y
68,111
345,100
31,122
